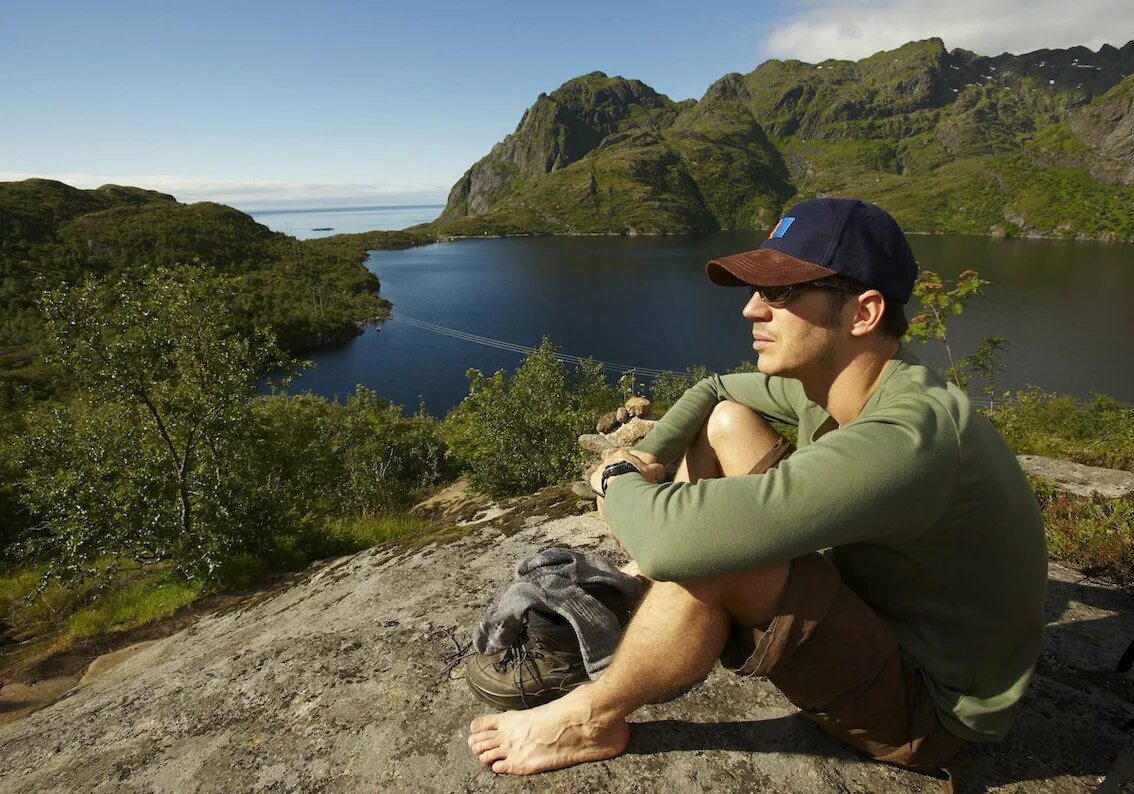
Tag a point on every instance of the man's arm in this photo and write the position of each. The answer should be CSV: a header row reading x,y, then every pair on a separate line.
x,y
867,481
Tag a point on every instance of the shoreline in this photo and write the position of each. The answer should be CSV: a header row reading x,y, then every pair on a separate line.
x,y
445,238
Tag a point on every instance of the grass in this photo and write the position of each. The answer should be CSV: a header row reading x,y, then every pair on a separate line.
x,y
1096,432
1095,535
347,536
135,605
126,595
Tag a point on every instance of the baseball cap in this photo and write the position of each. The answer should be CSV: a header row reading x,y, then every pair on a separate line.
x,y
822,238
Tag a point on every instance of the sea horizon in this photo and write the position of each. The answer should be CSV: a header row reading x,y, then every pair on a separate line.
x,y
310,223
348,208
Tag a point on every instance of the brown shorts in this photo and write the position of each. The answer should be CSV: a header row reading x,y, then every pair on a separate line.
x,y
835,659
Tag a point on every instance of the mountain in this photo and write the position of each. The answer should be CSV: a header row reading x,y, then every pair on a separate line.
x,y
949,141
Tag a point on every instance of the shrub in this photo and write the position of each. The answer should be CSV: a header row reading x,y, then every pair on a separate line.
x,y
516,433
1098,432
165,452
363,457
668,388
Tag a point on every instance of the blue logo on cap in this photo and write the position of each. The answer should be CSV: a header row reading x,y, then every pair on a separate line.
x,y
781,228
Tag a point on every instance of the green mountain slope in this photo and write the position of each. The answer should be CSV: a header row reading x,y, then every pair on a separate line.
x,y
53,234
949,141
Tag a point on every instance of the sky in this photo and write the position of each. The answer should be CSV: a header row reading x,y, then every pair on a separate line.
x,y
295,104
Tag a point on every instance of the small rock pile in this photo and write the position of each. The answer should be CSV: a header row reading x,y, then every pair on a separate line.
x,y
618,429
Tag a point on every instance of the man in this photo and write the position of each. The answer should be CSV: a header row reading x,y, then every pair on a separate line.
x,y
917,629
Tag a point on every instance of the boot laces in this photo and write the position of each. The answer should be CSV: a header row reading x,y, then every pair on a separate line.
x,y
520,652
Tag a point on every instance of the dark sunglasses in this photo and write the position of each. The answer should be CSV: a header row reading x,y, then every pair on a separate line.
x,y
778,296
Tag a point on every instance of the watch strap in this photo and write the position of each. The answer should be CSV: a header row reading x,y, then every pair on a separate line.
x,y
614,469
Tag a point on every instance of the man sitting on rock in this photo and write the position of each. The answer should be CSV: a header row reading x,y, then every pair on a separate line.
x,y
888,576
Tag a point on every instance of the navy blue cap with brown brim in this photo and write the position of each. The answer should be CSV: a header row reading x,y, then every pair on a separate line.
x,y
822,238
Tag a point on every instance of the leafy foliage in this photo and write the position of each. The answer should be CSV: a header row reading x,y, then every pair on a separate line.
x,y
939,303
165,451
516,433
136,462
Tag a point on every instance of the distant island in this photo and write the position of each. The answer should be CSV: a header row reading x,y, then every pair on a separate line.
x,y
1040,144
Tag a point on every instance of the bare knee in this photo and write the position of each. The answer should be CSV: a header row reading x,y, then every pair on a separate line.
x,y
751,598
729,420
738,437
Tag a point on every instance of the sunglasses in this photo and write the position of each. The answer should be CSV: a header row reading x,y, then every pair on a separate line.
x,y
778,296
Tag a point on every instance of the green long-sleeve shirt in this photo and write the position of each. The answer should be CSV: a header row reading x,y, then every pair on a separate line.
x,y
918,501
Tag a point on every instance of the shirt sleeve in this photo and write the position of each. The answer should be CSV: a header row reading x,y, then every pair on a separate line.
x,y
773,398
875,478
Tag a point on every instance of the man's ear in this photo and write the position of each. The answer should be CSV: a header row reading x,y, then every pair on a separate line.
x,y
868,310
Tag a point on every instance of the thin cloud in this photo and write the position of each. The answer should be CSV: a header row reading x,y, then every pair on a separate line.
x,y
823,29
251,193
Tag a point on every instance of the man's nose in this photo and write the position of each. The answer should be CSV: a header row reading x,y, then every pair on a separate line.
x,y
756,309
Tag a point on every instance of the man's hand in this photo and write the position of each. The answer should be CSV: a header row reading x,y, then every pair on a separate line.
x,y
646,465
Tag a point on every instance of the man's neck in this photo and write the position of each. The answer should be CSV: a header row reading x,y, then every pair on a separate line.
x,y
844,388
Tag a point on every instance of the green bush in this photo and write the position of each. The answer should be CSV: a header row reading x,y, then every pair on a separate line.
x,y
165,452
516,433
1098,432
364,457
668,388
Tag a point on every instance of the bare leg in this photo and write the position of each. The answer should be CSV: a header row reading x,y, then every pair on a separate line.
x,y
675,638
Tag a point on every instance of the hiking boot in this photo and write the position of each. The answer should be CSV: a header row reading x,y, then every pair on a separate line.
x,y
542,664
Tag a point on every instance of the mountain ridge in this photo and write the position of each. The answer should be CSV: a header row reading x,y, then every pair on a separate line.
x,y
951,141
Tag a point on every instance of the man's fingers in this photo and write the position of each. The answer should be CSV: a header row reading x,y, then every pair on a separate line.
x,y
654,472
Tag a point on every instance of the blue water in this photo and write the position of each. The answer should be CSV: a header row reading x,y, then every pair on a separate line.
x,y
1065,306
302,223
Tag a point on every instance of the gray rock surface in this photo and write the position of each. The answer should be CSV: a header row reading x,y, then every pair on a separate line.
x,y
638,406
1107,126
595,443
632,432
339,684
1079,479
608,422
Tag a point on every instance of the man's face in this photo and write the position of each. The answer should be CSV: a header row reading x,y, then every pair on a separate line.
x,y
797,339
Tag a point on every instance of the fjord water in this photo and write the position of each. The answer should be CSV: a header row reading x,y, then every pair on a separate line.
x,y
1065,306
307,224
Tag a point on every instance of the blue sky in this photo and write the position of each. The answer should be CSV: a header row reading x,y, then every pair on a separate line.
x,y
262,104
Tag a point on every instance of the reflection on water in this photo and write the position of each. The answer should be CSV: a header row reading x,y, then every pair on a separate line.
x,y
1064,306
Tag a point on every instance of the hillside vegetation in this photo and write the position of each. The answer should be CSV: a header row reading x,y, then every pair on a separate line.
x,y
52,234
949,141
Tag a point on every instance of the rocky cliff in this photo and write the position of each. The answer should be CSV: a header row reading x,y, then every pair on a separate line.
x,y
943,138
556,131
1107,128
339,683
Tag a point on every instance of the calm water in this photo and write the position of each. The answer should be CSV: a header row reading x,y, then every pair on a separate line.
x,y
1065,306
302,223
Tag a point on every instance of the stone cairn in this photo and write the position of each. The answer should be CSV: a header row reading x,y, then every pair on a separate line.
x,y
618,429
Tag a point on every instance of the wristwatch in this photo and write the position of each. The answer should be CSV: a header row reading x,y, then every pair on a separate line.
x,y
613,470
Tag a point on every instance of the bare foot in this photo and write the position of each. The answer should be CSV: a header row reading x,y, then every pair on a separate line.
x,y
559,734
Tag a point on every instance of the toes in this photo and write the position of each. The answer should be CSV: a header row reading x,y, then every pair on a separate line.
x,y
493,756
481,745
481,736
487,722
501,767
